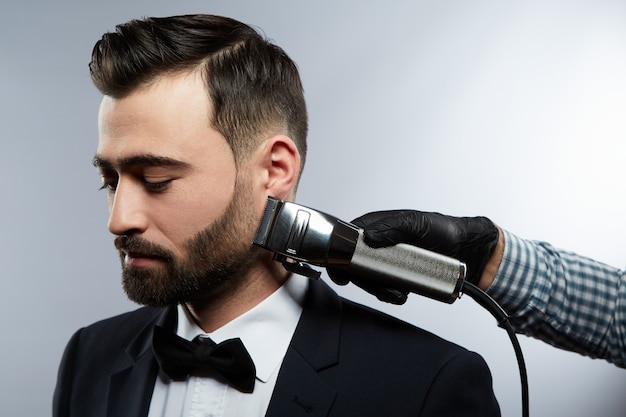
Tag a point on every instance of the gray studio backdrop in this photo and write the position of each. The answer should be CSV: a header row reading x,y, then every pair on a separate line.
x,y
513,110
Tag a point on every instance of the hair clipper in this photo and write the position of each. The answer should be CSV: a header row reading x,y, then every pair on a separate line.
x,y
300,236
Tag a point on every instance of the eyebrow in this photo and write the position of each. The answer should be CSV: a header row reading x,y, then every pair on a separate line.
x,y
138,160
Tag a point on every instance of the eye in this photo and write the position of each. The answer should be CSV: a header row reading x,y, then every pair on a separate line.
x,y
109,185
156,186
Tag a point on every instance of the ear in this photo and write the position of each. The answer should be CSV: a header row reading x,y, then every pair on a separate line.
x,y
280,163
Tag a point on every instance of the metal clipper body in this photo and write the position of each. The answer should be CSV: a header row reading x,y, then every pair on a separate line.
x,y
299,236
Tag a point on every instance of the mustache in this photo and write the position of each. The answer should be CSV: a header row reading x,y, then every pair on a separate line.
x,y
133,244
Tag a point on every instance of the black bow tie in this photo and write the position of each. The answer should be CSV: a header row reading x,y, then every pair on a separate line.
x,y
180,358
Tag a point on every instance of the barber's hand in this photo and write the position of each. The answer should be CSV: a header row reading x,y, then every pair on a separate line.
x,y
471,240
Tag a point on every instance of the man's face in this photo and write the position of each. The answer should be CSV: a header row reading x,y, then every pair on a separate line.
x,y
183,215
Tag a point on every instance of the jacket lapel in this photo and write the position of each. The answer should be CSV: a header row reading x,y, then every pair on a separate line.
x,y
301,389
132,383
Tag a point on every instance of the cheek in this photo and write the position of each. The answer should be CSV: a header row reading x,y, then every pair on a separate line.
x,y
196,206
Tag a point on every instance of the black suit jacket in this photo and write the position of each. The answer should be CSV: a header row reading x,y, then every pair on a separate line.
x,y
344,360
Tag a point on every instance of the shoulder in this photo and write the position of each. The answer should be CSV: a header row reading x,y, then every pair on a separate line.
x,y
362,322
128,321
384,363
117,331
365,333
384,332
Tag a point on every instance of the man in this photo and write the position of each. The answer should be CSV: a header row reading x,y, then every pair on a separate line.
x,y
202,119
564,299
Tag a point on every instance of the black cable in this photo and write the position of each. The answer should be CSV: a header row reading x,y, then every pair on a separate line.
x,y
494,308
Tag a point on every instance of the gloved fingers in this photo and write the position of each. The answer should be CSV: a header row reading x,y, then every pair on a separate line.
x,y
387,228
373,217
388,295
338,276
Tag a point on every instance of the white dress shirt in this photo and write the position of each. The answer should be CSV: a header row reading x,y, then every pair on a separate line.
x,y
265,330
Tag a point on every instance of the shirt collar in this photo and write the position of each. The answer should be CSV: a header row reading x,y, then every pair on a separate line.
x,y
265,330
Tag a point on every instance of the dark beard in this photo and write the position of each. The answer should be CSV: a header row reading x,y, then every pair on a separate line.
x,y
217,259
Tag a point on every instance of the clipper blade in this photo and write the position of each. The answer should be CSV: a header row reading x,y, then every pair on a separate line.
x,y
267,221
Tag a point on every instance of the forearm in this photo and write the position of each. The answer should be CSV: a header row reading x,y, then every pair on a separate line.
x,y
493,265
567,300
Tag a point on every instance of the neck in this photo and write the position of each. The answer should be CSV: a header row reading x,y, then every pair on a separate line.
x,y
258,284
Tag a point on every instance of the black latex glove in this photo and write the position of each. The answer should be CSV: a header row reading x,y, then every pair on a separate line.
x,y
471,240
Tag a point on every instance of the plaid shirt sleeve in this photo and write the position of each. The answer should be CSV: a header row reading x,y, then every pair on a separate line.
x,y
564,299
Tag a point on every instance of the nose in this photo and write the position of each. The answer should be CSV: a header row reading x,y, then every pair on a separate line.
x,y
127,211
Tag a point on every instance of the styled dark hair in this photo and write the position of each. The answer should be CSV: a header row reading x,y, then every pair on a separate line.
x,y
254,87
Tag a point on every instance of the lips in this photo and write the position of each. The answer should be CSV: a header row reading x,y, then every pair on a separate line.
x,y
138,259
137,252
